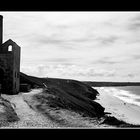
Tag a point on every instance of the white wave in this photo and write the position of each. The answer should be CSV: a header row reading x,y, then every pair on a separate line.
x,y
123,95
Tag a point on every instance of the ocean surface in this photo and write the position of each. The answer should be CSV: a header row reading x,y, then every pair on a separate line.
x,y
129,94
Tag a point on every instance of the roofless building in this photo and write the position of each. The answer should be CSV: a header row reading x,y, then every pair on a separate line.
x,y
9,64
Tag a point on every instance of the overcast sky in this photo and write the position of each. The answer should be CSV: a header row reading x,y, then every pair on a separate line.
x,y
98,46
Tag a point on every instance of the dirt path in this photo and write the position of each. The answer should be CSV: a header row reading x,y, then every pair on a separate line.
x,y
28,117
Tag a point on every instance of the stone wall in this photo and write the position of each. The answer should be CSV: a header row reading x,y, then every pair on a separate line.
x,y
16,69
6,62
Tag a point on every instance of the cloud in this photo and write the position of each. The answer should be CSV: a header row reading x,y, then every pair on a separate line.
x,y
83,44
136,57
131,75
136,17
51,40
107,60
60,60
67,71
133,23
103,61
108,40
134,26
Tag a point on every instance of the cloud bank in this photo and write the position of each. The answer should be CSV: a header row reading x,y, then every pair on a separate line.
x,y
85,45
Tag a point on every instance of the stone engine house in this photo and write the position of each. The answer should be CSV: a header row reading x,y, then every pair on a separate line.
x,y
9,65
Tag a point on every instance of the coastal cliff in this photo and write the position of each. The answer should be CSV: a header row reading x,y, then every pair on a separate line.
x,y
68,93
54,102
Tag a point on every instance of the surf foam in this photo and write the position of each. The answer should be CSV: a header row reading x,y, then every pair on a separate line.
x,y
123,95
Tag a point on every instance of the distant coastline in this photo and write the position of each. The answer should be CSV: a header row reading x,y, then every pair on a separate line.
x,y
109,84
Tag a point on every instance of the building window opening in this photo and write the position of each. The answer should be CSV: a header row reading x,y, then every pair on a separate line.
x,y
9,48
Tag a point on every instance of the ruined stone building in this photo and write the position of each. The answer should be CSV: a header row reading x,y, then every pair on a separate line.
x,y
9,64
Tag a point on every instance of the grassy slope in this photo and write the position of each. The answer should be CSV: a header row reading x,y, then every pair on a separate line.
x,y
70,93
73,95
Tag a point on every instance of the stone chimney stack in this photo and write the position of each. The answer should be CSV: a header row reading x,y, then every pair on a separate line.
x,y
1,29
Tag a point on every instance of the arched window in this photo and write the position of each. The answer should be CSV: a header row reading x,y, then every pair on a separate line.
x,y
9,48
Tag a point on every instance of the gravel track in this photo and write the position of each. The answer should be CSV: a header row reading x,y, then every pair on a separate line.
x,y
29,118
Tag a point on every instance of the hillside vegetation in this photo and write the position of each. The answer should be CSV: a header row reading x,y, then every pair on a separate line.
x,y
71,95
66,93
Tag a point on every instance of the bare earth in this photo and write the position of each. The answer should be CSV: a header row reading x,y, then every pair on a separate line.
x,y
28,117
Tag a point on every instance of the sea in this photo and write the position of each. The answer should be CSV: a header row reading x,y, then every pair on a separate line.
x,y
128,94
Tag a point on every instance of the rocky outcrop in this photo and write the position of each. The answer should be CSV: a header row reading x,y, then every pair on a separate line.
x,y
111,120
7,112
